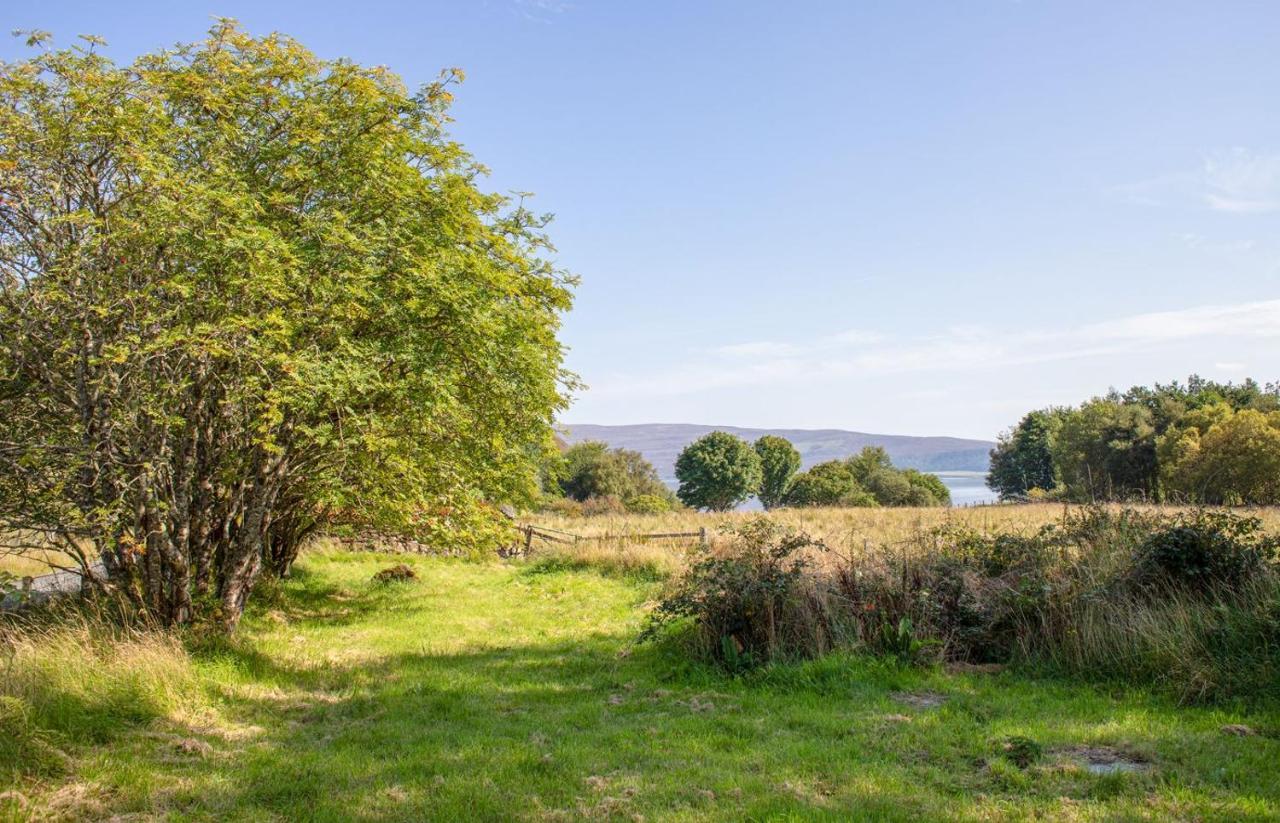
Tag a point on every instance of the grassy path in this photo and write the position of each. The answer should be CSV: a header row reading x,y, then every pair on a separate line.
x,y
497,692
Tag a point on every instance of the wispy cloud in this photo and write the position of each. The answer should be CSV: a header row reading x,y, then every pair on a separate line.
x,y
966,348
1238,181
541,10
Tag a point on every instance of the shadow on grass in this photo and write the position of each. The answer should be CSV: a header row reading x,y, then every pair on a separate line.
x,y
594,728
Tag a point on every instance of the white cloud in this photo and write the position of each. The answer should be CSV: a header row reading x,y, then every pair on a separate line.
x,y
1243,182
973,349
1231,367
1238,181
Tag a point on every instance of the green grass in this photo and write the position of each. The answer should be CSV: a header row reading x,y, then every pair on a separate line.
x,y
509,691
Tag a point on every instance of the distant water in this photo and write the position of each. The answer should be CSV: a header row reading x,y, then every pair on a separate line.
x,y
967,488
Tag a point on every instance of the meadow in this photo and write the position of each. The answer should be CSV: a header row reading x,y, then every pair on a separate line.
x,y
498,690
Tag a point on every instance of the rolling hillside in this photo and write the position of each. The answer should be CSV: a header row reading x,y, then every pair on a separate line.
x,y
661,442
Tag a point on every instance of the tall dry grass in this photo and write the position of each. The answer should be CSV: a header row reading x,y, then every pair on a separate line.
x,y
1066,589
77,677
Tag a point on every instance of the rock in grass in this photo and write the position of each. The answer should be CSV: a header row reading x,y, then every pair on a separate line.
x,y
395,574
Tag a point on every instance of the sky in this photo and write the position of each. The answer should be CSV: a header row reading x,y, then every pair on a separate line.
x,y
894,217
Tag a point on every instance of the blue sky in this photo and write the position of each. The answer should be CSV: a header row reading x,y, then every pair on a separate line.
x,y
906,217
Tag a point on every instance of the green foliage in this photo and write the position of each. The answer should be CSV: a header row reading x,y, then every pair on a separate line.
x,y
592,469
779,461
1217,455
717,472
831,483
1105,450
1203,551
1204,442
245,293
866,479
1023,458
649,504
745,602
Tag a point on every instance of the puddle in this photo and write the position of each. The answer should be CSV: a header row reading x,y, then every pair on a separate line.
x,y
1106,760
920,700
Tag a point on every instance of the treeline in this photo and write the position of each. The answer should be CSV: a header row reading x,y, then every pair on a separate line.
x,y
720,471
1200,442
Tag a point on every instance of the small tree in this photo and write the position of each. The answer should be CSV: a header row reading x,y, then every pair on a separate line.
x,y
779,461
717,472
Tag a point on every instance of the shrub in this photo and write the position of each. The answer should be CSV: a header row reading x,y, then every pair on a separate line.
x,y
563,506
749,602
648,504
608,504
1204,550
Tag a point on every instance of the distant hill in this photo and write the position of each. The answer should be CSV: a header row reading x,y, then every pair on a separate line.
x,y
660,443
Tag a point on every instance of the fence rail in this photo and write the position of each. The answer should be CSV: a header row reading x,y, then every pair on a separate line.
x,y
556,536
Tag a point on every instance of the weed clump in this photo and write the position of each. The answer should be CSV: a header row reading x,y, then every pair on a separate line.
x,y
399,573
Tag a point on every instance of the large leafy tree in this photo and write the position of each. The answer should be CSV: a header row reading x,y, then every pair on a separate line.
x,y
717,472
1218,455
779,461
1023,458
1105,450
245,291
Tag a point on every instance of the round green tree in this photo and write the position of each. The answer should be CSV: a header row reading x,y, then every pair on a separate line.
x,y
779,461
717,472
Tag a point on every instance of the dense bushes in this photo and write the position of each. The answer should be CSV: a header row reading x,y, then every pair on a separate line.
x,y
1189,602
589,478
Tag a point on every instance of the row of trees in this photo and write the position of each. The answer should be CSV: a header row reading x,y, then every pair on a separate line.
x,y
720,471
1199,442
245,293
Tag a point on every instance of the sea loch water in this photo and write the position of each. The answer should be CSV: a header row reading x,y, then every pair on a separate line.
x,y
967,488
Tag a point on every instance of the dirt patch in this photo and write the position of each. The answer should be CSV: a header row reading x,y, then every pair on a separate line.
x,y
192,747
974,668
1239,730
920,700
398,573
1105,759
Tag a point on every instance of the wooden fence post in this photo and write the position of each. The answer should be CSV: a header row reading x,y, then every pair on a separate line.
x,y
702,536
528,539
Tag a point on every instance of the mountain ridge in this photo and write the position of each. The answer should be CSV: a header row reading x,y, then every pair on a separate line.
x,y
660,443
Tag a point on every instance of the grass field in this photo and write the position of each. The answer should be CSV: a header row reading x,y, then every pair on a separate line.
x,y
497,691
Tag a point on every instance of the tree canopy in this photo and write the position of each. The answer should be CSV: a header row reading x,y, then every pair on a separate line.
x,y
717,472
1145,443
245,291
592,469
779,461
